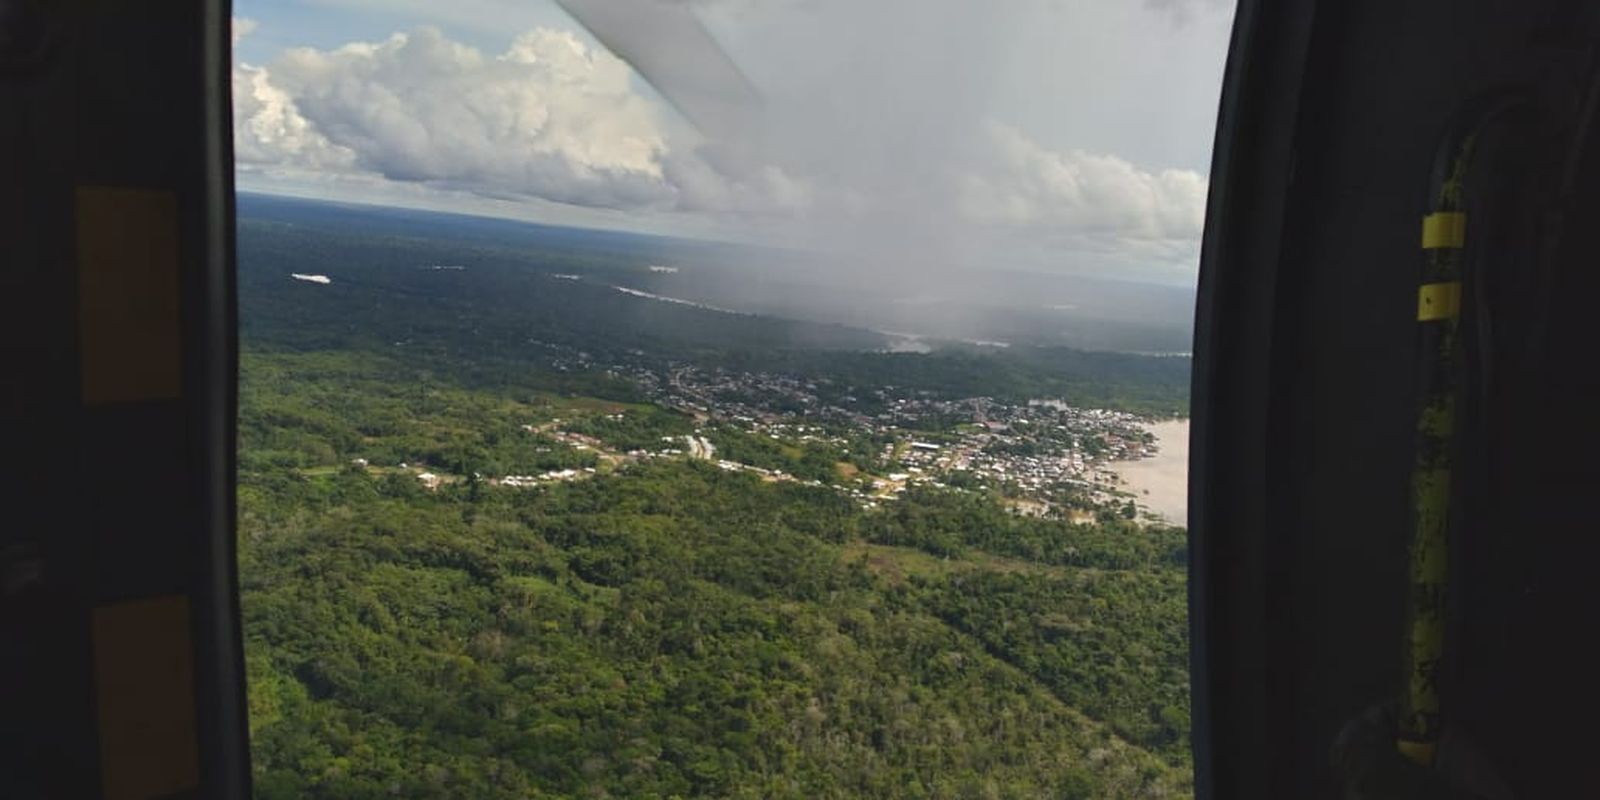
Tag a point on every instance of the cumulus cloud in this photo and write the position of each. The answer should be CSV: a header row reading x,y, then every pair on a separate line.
x,y
548,118
269,131
885,148
1025,184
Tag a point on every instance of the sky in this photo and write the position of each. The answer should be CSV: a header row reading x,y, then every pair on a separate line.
x,y
901,137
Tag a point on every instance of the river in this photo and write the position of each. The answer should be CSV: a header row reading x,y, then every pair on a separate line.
x,y
1162,483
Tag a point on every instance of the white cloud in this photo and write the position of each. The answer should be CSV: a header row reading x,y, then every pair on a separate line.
x,y
242,26
1027,185
269,131
549,118
890,166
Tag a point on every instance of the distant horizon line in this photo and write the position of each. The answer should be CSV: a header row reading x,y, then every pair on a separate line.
x,y
278,194
482,215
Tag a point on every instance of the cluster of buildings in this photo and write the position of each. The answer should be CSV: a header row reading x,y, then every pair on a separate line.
x,y
522,481
1033,449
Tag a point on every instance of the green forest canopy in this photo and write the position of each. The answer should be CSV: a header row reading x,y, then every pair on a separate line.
x,y
672,629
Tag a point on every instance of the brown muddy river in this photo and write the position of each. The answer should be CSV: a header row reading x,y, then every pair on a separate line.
x,y
1161,484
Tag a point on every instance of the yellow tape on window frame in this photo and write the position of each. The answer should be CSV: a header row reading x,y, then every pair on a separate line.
x,y
1444,229
1438,301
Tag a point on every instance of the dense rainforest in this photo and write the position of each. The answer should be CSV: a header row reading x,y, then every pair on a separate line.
x,y
668,628
415,626
485,313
